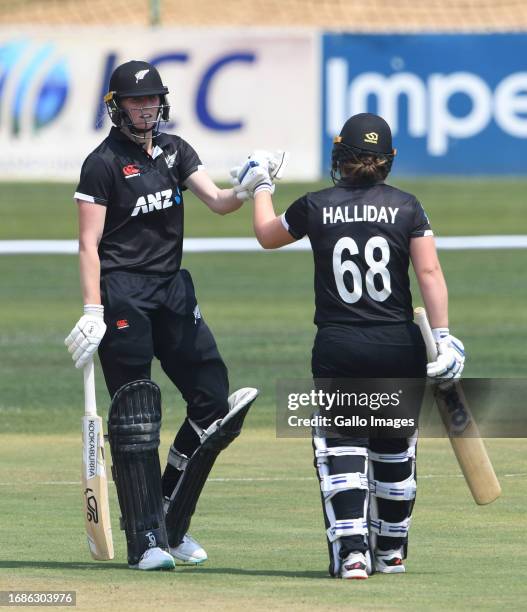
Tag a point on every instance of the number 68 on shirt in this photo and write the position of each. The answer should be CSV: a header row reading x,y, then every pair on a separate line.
x,y
374,245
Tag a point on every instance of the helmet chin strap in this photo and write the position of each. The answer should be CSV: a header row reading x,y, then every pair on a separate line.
x,y
143,139
139,135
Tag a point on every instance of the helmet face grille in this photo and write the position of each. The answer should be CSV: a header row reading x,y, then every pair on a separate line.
x,y
120,117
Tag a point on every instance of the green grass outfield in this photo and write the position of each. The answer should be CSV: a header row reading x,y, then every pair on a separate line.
x,y
264,536
455,207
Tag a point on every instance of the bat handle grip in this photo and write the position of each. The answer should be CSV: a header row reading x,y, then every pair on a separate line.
x,y
426,331
90,405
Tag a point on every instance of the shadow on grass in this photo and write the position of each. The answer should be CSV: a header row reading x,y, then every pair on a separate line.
x,y
62,565
180,569
312,574
183,569
236,571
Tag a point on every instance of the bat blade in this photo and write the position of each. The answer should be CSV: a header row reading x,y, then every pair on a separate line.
x,y
461,428
467,444
95,490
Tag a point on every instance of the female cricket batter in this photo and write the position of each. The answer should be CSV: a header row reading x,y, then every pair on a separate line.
x,y
139,303
363,234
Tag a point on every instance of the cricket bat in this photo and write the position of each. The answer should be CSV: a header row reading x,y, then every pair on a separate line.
x,y
94,482
461,428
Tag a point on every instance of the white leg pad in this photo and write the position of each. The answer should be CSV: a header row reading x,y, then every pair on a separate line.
x,y
331,484
393,457
347,528
338,451
395,530
403,490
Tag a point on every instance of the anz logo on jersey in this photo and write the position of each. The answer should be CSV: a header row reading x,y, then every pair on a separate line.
x,y
157,201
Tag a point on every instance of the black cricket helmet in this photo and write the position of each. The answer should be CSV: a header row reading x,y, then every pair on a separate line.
x,y
132,80
362,135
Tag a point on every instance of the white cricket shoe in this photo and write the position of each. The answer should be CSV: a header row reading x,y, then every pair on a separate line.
x,y
354,567
155,559
189,551
389,561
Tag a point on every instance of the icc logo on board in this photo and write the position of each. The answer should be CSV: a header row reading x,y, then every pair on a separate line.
x,y
34,84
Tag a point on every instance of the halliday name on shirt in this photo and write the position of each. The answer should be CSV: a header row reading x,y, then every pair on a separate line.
x,y
359,213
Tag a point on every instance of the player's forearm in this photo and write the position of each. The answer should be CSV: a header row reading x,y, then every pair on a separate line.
x,y
264,219
224,201
435,296
90,274
220,201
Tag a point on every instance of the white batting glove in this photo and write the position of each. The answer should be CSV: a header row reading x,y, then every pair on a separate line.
x,y
252,177
276,162
87,334
450,356
241,192
247,180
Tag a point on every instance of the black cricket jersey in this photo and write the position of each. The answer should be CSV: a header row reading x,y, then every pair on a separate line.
x,y
360,236
143,229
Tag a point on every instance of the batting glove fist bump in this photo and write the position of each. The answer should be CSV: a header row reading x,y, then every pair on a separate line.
x,y
87,334
250,178
450,355
258,173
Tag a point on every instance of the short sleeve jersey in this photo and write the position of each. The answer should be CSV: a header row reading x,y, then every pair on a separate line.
x,y
360,236
143,229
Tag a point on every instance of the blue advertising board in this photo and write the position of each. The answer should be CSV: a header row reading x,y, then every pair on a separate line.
x,y
457,104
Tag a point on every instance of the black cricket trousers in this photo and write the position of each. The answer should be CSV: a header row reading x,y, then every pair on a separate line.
x,y
158,316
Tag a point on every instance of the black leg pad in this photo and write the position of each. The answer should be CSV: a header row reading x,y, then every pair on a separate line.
x,y
134,424
214,439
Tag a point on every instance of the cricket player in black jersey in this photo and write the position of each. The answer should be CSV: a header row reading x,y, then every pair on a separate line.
x,y
139,304
363,233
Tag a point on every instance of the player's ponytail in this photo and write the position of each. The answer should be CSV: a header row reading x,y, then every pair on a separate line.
x,y
364,169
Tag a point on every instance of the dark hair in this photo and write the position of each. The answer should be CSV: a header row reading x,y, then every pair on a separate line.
x,y
357,167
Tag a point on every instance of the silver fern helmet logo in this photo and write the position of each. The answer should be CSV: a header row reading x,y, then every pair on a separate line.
x,y
34,86
139,76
